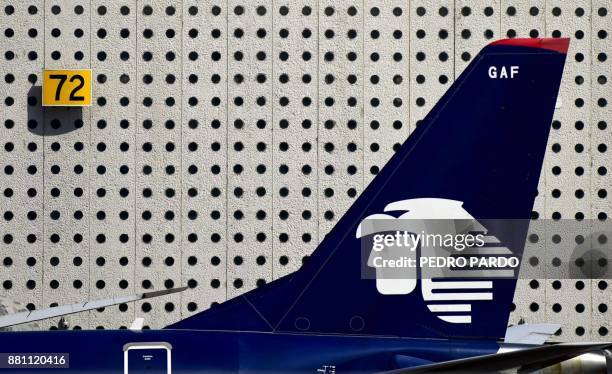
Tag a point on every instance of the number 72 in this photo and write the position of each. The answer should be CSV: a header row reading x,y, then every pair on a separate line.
x,y
62,78
67,88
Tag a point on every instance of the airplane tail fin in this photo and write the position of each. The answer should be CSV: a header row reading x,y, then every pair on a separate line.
x,y
477,155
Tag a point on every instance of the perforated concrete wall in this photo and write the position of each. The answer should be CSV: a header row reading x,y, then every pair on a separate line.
x,y
227,137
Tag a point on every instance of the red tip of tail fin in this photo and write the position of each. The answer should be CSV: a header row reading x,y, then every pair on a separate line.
x,y
553,44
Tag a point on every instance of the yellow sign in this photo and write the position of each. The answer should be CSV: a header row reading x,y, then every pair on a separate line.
x,y
66,87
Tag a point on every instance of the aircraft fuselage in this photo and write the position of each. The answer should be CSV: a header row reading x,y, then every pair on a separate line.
x,y
193,351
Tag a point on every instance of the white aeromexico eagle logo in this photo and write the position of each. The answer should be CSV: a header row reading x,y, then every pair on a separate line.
x,y
451,300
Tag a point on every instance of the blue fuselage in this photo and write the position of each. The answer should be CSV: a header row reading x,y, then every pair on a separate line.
x,y
193,351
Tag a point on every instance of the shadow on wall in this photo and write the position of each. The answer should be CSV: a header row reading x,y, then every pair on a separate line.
x,y
57,120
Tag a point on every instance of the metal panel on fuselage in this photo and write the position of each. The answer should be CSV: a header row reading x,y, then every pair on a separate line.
x,y
102,351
